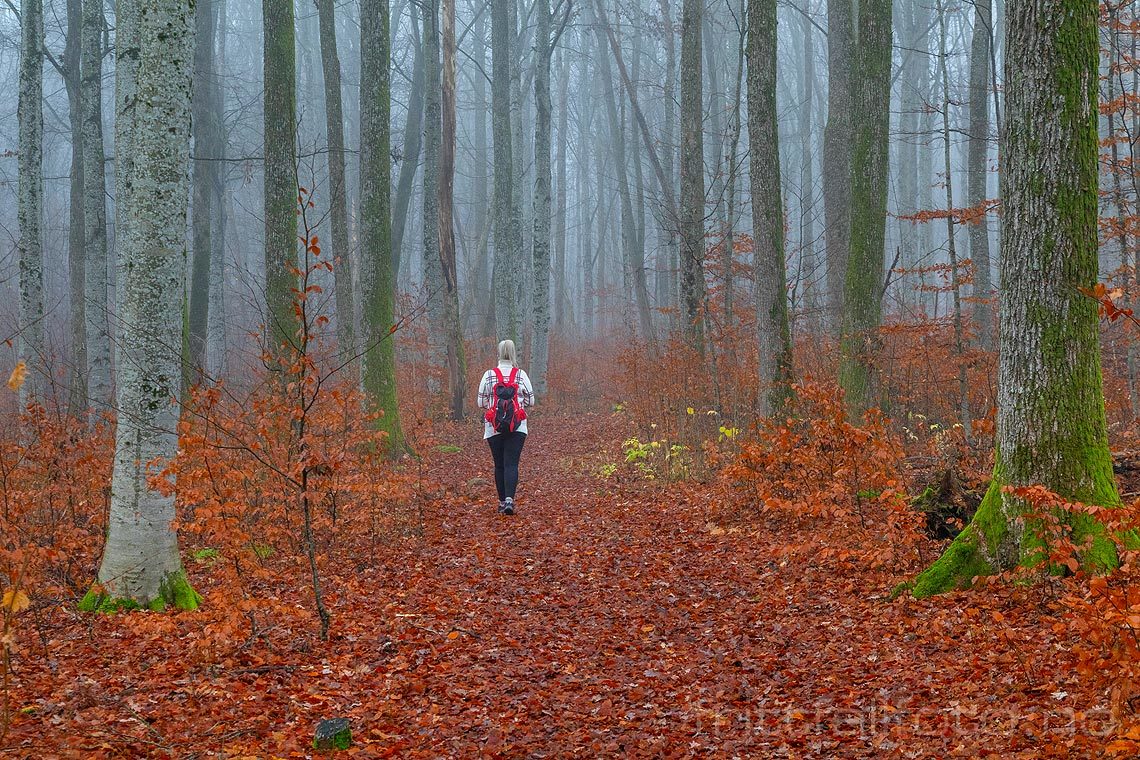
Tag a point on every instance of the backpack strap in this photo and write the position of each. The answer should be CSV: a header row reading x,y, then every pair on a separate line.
x,y
514,375
499,376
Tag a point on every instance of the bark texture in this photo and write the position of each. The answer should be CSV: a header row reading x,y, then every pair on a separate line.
x,y
978,170
29,201
837,153
692,202
505,271
280,187
339,252
774,342
141,565
377,276
1051,427
862,300
96,309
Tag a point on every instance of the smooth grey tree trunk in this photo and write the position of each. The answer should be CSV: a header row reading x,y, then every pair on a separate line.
x,y
29,202
978,171
540,242
430,251
97,312
837,153
505,269
561,296
70,69
206,129
951,245
339,252
413,141
141,565
456,360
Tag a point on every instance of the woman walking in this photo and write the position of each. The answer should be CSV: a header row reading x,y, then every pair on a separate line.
x,y
505,393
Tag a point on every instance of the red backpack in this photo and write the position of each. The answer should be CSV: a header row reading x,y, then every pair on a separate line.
x,y
506,414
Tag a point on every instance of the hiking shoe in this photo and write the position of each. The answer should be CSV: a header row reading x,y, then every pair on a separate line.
x,y
502,505
508,507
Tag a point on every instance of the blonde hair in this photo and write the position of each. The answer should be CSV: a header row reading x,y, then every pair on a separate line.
x,y
507,352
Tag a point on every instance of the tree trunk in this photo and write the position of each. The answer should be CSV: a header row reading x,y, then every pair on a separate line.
x,y
862,299
216,324
481,293
632,254
413,141
978,171
1051,427
280,208
668,286
76,264
773,336
837,153
456,361
206,203
339,252
951,246
505,269
141,566
542,201
809,266
127,23
561,305
376,272
29,202
912,102
430,252
692,205
98,328
519,265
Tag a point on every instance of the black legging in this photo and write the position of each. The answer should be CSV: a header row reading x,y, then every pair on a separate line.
x,y
506,448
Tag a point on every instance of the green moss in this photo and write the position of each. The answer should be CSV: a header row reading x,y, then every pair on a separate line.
x,y
448,448
175,590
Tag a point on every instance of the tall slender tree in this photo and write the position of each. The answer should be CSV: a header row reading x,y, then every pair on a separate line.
x,y
29,200
774,340
456,361
71,70
430,251
837,153
207,131
978,169
505,271
96,311
279,69
1051,427
141,565
540,240
339,252
863,288
376,272
692,201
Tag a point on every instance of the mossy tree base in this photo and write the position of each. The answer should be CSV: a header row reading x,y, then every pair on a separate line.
x,y
175,591
998,539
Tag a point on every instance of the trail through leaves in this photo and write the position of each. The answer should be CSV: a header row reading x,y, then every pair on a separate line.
x,y
610,617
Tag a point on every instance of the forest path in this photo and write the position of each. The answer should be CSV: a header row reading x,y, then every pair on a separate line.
x,y
609,617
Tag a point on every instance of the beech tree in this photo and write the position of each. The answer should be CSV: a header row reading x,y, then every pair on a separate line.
x,y
376,273
141,566
863,286
280,181
338,249
1051,427
692,202
774,340
96,311
29,199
